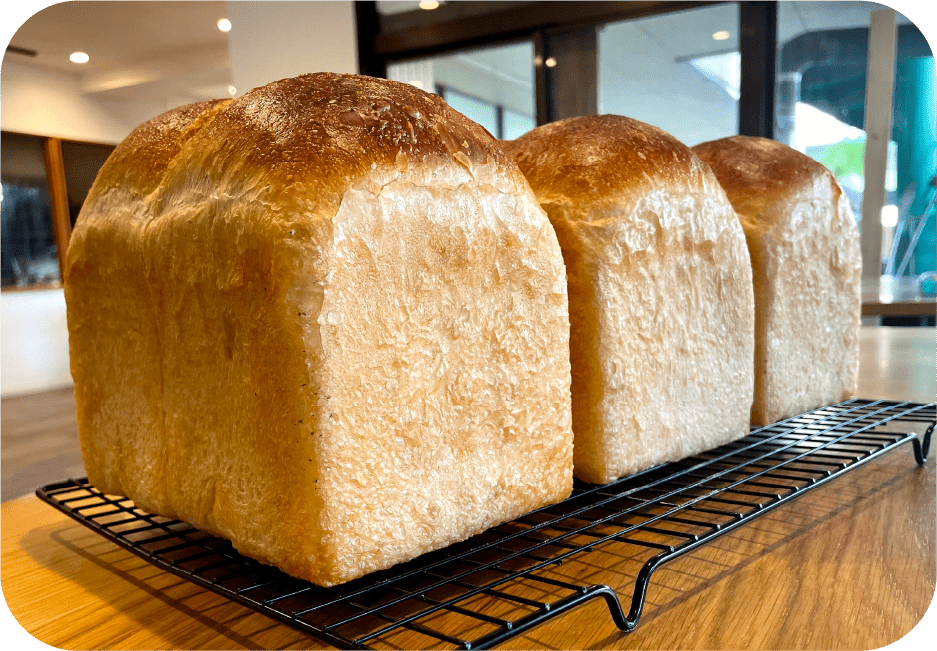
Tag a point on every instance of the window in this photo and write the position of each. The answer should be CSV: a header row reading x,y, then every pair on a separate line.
x,y
29,255
821,106
679,71
485,113
911,249
44,184
516,124
81,162
492,86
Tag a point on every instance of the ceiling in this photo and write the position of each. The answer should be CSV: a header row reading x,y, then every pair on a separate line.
x,y
136,49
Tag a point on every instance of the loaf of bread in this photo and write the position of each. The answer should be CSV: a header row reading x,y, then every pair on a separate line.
x,y
327,320
660,296
807,265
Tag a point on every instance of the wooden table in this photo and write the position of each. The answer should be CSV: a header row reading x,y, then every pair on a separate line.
x,y
849,565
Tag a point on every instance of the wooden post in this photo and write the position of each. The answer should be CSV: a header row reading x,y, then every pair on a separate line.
x,y
58,198
879,88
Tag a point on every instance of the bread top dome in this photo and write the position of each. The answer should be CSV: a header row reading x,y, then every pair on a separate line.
x,y
760,176
605,158
317,135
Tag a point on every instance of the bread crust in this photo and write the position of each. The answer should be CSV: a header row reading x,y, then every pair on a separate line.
x,y
600,159
806,261
264,251
661,308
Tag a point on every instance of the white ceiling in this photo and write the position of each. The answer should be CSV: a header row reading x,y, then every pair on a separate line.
x,y
136,49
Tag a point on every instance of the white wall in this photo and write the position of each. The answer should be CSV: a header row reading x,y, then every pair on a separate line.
x,y
33,341
48,103
277,40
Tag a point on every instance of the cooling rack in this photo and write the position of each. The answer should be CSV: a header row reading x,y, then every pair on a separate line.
x,y
500,583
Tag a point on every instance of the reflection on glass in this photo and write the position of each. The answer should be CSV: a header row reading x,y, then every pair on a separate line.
x,y
913,251
492,86
820,108
29,254
725,69
516,124
485,113
679,71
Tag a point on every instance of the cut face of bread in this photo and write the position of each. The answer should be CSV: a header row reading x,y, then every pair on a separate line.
x,y
806,258
353,322
661,308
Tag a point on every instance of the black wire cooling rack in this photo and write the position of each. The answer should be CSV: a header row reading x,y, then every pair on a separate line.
x,y
506,580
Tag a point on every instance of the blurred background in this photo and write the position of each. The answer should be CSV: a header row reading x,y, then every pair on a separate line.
x,y
78,76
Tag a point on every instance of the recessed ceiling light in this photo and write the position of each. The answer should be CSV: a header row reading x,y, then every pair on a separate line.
x,y
224,24
721,36
550,62
78,57
232,90
428,4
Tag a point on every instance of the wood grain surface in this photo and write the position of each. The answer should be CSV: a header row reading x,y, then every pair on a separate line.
x,y
40,441
848,565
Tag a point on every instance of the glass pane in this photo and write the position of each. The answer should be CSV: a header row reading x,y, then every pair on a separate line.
x,y
485,113
910,248
82,162
516,125
493,86
820,109
27,239
679,71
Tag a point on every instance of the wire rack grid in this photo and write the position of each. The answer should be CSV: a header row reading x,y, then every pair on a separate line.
x,y
500,583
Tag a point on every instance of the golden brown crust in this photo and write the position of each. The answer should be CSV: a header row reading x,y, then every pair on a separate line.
x,y
758,171
138,163
330,129
327,129
587,159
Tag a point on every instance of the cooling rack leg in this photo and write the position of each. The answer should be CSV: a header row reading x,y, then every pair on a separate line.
x,y
614,609
640,591
922,446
